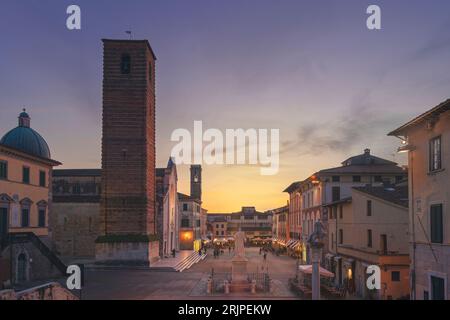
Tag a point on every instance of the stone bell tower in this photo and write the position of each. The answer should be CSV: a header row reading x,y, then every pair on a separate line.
x,y
127,208
196,181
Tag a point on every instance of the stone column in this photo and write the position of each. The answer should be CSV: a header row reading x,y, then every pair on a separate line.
x,y
315,242
316,252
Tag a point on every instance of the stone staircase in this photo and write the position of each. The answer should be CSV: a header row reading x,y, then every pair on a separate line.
x,y
188,262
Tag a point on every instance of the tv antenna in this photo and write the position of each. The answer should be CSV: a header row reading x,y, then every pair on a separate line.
x,y
129,33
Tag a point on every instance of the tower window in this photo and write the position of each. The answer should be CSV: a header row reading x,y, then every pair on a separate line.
x,y
125,64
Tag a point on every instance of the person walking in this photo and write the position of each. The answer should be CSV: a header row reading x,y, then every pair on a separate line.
x,y
265,256
173,252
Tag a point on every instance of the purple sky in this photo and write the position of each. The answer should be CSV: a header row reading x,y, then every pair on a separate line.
x,y
310,68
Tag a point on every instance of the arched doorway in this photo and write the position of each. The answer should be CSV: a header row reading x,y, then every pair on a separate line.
x,y
22,268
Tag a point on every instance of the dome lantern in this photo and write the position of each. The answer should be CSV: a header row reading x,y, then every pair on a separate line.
x,y
24,119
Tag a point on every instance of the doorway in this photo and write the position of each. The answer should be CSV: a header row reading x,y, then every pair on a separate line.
x,y
22,268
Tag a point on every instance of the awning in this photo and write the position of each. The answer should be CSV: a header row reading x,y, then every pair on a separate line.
x,y
293,244
289,242
307,269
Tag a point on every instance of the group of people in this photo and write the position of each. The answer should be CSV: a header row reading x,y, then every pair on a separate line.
x,y
263,251
219,250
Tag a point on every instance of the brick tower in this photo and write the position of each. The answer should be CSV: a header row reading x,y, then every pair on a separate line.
x,y
127,211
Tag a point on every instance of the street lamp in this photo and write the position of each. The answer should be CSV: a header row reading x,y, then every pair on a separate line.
x,y
315,242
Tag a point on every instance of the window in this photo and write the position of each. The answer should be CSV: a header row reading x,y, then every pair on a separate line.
x,y
332,240
25,217
377,179
435,154
336,178
336,193
341,212
42,179
3,170
383,244
198,223
26,175
41,217
125,64
341,236
369,238
217,226
217,233
437,230
185,207
76,188
356,178
222,233
185,223
221,225
369,208
437,288
395,276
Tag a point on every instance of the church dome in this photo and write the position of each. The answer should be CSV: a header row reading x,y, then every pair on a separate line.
x,y
25,139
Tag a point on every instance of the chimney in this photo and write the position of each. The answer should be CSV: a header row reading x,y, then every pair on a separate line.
x,y
367,151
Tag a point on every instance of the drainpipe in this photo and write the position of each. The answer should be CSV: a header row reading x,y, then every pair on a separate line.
x,y
413,269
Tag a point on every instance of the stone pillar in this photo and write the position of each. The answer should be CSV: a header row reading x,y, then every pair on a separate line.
x,y
316,252
315,242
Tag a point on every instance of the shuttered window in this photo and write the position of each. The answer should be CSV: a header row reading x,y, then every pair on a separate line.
x,y
437,230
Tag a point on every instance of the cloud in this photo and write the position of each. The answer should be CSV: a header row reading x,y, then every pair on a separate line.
x,y
353,126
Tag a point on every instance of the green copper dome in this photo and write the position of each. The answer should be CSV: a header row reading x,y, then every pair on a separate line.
x,y
25,139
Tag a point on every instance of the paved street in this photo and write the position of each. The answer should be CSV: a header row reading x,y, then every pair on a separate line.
x,y
190,284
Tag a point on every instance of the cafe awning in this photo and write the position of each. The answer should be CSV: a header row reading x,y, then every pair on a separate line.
x,y
307,269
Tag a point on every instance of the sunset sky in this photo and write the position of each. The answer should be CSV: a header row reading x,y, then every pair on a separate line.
x,y
309,68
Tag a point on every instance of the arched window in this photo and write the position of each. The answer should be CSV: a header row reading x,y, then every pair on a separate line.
x,y
125,64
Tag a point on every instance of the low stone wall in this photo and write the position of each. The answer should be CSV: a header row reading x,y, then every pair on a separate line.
x,y
127,253
49,291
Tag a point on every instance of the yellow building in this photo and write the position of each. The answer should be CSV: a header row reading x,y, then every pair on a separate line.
x,y
426,138
25,179
370,228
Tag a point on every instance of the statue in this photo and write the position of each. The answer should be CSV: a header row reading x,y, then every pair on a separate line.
x,y
239,241
315,239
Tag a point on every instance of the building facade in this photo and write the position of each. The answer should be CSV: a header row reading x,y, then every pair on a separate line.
x,y
167,212
127,230
255,224
75,214
330,185
192,216
426,139
280,226
25,205
370,228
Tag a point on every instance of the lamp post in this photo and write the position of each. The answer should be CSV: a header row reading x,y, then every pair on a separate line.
x,y
315,242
